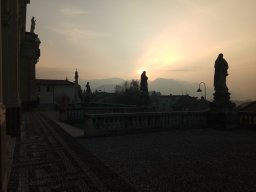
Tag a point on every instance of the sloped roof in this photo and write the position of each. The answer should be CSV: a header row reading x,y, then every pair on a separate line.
x,y
248,106
52,82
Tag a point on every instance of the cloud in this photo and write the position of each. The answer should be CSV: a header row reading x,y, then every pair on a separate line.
x,y
72,12
54,73
77,35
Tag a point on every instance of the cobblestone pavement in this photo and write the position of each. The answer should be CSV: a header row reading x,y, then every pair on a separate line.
x,y
48,160
181,160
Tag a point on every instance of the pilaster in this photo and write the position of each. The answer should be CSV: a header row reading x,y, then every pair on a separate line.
x,y
11,65
2,114
30,54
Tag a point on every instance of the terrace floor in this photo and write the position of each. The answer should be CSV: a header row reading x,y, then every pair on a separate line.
x,y
47,158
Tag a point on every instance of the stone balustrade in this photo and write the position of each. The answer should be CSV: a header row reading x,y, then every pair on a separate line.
x,y
104,124
77,114
247,119
114,120
99,110
71,115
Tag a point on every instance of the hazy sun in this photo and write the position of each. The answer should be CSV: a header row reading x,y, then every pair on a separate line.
x,y
140,71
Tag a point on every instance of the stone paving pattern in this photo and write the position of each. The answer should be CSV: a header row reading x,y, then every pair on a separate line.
x,y
43,161
185,160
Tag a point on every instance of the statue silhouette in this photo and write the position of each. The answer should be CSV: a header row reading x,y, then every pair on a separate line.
x,y
33,24
88,89
144,82
221,67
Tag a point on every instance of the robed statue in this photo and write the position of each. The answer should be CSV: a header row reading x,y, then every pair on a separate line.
x,y
33,25
221,72
88,89
144,82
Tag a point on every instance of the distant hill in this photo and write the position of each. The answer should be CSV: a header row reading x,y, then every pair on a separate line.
x,y
177,87
107,85
165,86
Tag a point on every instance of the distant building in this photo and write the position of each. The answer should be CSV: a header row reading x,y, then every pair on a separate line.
x,y
247,106
58,92
166,103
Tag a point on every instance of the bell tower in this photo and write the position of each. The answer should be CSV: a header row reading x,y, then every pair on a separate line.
x,y
76,77
76,99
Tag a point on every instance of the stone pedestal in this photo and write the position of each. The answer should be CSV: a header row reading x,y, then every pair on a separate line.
x,y
223,120
223,114
144,99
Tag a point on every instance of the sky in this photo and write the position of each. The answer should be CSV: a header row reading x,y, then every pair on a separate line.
x,y
175,39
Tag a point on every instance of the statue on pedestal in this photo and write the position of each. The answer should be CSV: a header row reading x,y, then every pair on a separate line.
x,y
33,25
223,111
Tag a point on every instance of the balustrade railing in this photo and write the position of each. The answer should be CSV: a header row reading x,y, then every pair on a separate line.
x,y
122,119
102,124
247,119
71,115
77,114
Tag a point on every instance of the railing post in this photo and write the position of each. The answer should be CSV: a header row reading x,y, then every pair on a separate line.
x,y
89,129
63,115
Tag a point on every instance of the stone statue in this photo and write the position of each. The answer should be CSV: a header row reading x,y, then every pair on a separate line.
x,y
33,24
144,82
221,68
88,89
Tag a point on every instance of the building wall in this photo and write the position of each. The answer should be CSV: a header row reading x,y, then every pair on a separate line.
x,y
2,127
50,94
65,90
30,53
12,33
165,103
12,30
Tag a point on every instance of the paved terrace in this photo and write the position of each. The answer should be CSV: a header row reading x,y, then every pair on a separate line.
x,y
46,158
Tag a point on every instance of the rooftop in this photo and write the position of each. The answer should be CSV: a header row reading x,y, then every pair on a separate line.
x,y
52,82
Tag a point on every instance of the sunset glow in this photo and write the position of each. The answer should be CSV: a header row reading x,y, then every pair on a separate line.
x,y
177,39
